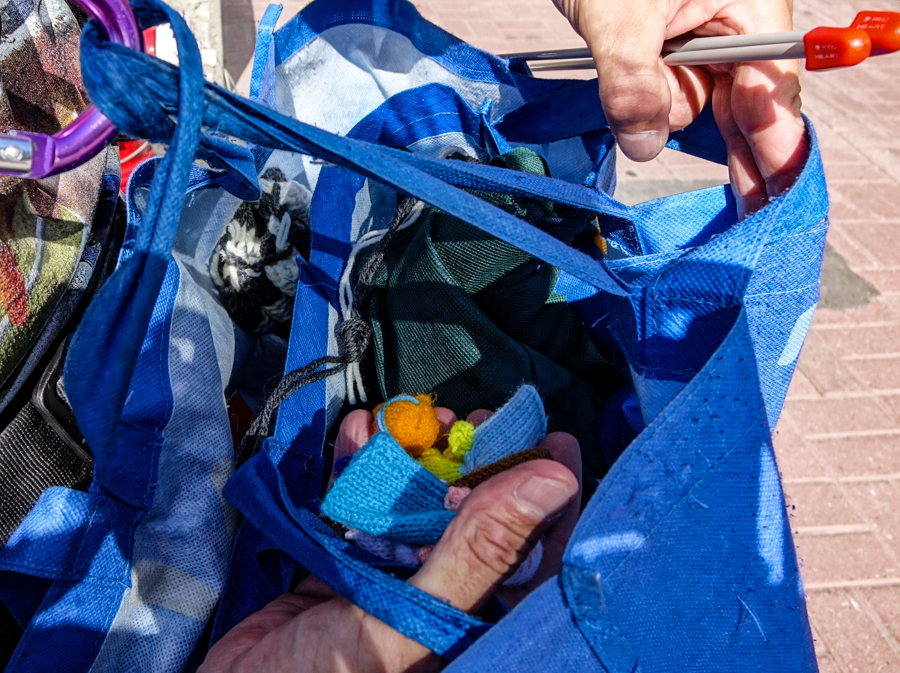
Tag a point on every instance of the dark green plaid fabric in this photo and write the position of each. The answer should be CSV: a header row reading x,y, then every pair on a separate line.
x,y
459,313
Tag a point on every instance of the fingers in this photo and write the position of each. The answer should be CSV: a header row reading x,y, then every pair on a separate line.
x,y
494,531
356,429
278,614
757,107
625,39
564,449
747,184
765,100
479,416
446,418
691,89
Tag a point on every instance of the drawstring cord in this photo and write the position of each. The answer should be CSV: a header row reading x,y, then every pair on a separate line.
x,y
353,332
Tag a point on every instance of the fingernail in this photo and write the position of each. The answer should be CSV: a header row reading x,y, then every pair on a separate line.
x,y
543,497
639,145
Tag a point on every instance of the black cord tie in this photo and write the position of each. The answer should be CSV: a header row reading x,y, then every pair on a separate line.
x,y
353,335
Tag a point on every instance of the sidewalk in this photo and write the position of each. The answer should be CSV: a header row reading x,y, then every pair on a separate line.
x,y
838,441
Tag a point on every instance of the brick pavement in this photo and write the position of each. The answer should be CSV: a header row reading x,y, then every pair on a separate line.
x,y
838,441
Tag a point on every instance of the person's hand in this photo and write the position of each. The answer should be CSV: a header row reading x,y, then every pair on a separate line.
x,y
314,629
757,105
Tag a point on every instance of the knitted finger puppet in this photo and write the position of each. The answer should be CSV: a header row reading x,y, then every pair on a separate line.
x,y
398,494
254,262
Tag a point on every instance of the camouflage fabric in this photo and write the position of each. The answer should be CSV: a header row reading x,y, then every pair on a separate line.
x,y
44,224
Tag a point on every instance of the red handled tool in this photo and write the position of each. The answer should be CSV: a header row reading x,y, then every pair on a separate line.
x,y
870,34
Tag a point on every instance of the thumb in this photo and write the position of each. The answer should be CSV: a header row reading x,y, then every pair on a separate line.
x,y
493,532
625,39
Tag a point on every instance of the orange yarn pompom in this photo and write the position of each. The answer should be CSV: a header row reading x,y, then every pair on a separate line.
x,y
414,426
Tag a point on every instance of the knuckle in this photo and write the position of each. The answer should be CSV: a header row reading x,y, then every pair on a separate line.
x,y
627,104
494,544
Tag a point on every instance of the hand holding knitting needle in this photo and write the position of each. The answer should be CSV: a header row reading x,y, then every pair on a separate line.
x,y
756,105
314,629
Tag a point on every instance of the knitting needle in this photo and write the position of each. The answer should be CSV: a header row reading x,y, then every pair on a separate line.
x,y
871,33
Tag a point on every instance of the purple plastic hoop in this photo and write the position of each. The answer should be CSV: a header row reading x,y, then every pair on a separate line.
x,y
35,155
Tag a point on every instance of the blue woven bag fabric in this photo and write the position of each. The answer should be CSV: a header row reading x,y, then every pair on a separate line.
x,y
683,560
691,283
127,575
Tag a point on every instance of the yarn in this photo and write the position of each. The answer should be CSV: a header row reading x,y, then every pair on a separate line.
x,y
461,438
518,425
407,214
386,493
399,492
441,465
455,496
482,474
253,265
411,421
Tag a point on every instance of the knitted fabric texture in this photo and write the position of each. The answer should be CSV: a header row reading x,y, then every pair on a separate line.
x,y
386,493
519,425
254,263
442,465
412,421
472,479
461,438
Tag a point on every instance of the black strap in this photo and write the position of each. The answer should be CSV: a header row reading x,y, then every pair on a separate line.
x,y
37,453
32,458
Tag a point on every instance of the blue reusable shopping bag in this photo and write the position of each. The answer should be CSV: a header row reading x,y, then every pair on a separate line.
x,y
683,560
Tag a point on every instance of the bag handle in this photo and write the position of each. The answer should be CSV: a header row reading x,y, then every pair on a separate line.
x,y
145,112
108,342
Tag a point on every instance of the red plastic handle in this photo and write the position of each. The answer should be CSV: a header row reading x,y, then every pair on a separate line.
x,y
883,29
828,47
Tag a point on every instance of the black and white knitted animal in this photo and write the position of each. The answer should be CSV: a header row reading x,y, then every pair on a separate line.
x,y
254,264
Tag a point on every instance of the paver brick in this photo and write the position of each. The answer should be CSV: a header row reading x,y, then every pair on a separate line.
x,y
857,172
883,601
878,502
826,664
881,239
854,252
820,505
850,633
865,199
801,387
844,558
825,318
860,456
795,458
821,364
878,312
865,340
886,280
841,416
878,373
834,156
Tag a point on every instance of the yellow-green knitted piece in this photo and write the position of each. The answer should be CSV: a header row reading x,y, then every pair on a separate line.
x,y
440,464
461,438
